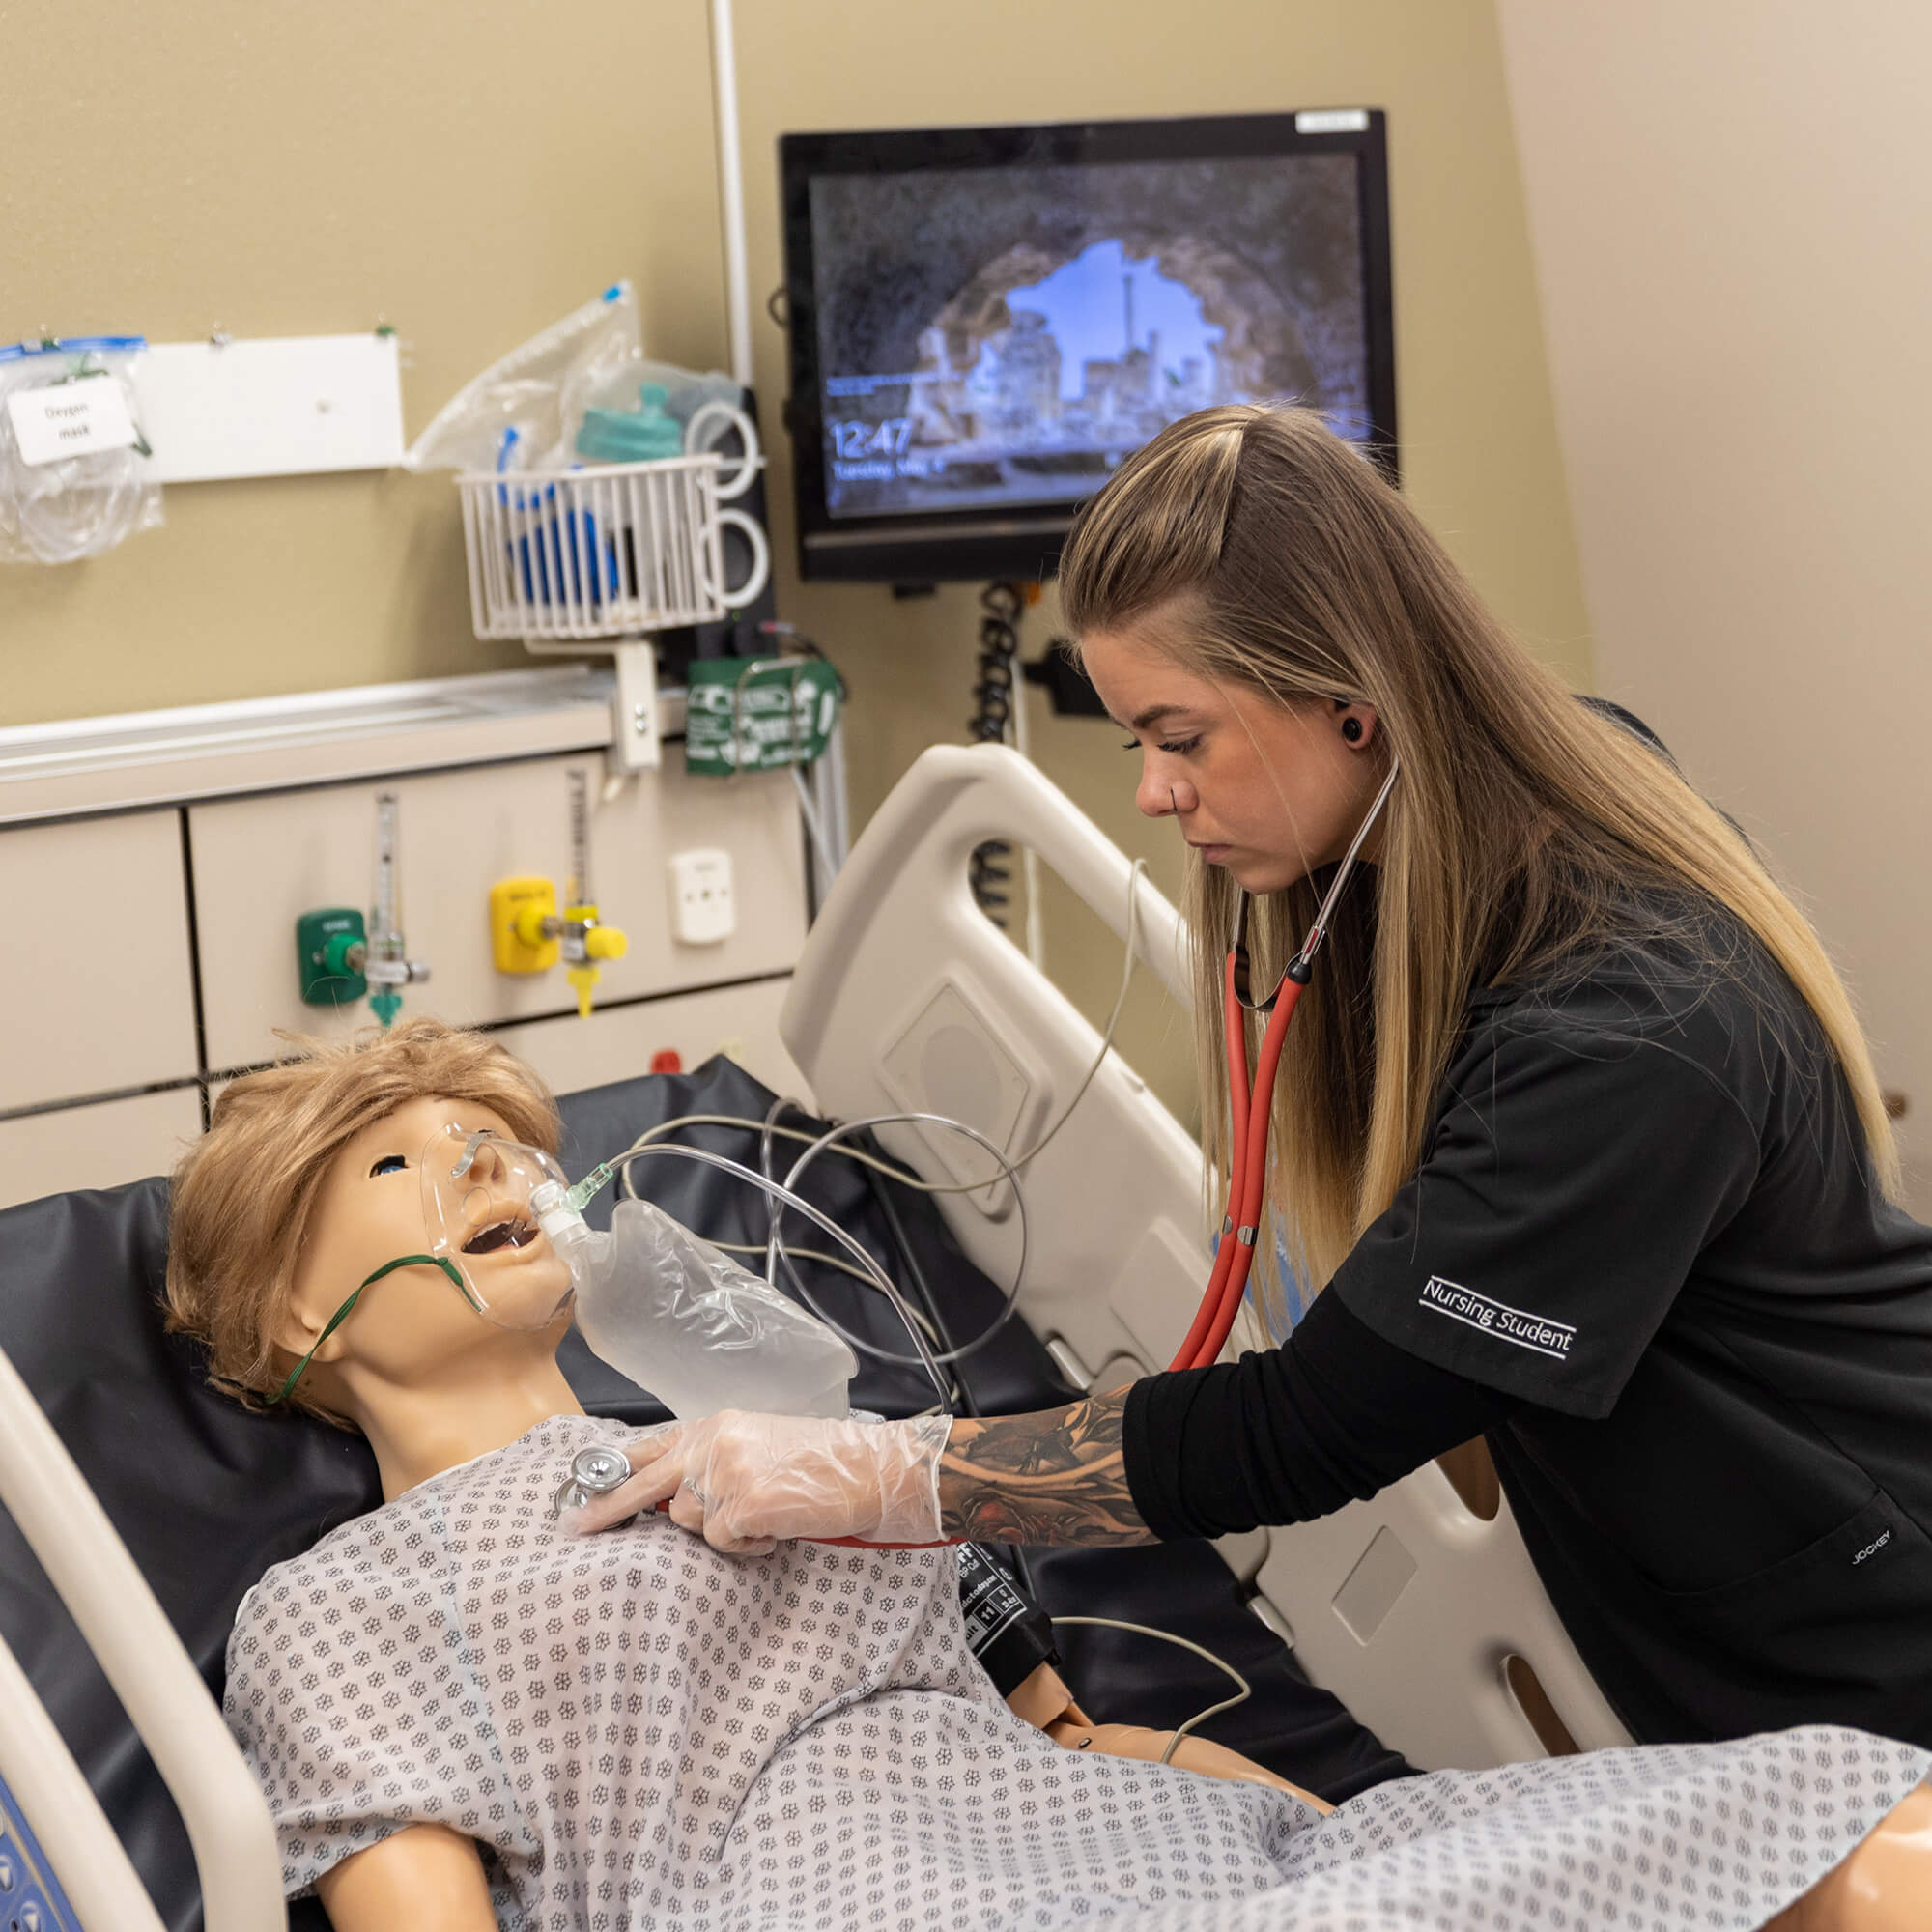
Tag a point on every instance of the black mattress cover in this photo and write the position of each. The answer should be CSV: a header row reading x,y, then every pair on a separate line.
x,y
207,1496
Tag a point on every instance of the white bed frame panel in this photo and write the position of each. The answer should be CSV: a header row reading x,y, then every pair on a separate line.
x,y
1407,1606
227,1817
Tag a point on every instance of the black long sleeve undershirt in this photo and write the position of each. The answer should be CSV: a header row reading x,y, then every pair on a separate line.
x,y
1333,1416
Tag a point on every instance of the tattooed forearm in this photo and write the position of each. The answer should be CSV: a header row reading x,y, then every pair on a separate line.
x,y
1054,1477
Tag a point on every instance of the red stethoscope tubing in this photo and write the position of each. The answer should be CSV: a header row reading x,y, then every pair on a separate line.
x,y
1249,1109
1247,1169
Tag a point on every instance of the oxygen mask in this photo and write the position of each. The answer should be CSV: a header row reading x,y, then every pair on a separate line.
x,y
667,1310
484,1202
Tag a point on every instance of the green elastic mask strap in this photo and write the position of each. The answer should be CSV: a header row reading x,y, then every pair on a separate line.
x,y
348,1308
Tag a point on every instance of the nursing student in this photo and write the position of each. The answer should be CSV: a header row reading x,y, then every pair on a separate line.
x,y
1576,1132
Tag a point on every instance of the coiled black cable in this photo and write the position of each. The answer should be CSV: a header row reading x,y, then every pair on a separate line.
x,y
994,696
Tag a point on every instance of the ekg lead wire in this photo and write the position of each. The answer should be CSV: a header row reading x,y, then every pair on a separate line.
x,y
1242,1693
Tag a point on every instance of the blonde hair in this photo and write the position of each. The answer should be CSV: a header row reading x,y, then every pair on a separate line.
x,y
242,1197
1257,548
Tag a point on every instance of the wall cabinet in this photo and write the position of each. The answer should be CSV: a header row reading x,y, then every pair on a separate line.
x,y
160,959
96,984
98,1146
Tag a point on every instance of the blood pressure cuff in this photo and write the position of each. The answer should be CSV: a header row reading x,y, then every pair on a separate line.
x,y
1008,1632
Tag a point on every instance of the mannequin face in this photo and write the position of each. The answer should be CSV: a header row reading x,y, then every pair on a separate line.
x,y
413,1328
1271,791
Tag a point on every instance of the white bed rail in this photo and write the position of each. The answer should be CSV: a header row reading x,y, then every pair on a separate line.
x,y
227,1818
1408,1606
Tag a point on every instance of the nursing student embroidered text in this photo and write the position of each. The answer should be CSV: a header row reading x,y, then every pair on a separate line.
x,y
1497,1318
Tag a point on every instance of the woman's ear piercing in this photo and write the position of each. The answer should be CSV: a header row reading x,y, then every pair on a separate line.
x,y
1351,729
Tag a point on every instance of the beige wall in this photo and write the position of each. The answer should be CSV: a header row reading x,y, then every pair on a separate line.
x,y
470,173
1730,201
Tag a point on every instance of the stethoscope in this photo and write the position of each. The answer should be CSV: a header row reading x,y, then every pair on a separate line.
x,y
1247,1163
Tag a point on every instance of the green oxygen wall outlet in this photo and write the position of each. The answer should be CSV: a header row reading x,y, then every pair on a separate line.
x,y
330,945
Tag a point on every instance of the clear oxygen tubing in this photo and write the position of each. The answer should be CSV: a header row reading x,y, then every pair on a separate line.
x,y
929,1316
1008,1170
778,1191
783,1192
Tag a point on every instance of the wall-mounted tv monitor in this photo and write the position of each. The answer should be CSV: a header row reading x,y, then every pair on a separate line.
x,y
986,320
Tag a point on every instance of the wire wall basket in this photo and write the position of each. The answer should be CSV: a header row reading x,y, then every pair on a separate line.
x,y
613,550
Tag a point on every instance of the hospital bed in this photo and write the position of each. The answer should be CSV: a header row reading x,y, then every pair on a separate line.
x,y
154,1503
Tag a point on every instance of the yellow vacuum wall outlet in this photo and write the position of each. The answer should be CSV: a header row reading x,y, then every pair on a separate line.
x,y
524,925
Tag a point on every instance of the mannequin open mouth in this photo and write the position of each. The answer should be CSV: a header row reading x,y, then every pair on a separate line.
x,y
516,1232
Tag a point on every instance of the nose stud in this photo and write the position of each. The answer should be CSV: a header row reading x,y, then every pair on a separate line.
x,y
1172,805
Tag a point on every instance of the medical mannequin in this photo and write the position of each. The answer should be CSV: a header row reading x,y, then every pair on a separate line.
x,y
307,1185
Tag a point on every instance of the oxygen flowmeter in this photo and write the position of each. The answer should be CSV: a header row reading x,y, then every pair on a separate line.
x,y
527,934
586,941
341,957
387,967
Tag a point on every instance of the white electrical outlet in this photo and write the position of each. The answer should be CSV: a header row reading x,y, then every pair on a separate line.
x,y
702,910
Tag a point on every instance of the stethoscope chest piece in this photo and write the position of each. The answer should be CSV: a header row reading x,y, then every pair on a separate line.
x,y
594,1472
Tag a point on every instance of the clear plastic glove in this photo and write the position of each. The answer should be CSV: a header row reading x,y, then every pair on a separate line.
x,y
743,1481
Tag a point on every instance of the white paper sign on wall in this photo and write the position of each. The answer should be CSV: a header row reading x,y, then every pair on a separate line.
x,y
70,419
280,406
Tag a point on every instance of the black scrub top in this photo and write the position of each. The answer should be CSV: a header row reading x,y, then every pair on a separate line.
x,y
1644,1254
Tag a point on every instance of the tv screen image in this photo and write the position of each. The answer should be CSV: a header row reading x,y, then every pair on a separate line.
x,y
1053,319
987,342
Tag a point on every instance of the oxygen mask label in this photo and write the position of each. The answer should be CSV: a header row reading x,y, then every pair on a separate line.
x,y
478,1213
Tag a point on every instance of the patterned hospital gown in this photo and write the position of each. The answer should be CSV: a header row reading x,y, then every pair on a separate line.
x,y
641,1733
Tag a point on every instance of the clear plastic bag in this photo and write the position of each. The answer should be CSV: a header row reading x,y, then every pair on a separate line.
x,y
522,410
59,510
527,411
685,1322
